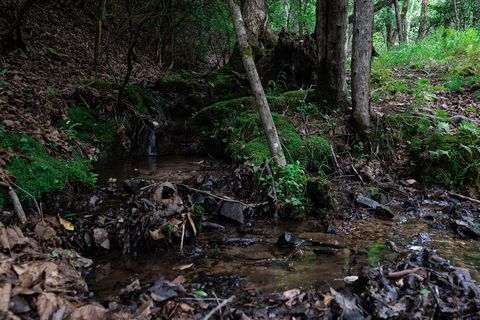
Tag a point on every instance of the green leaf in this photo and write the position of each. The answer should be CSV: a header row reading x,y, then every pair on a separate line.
x,y
424,292
200,294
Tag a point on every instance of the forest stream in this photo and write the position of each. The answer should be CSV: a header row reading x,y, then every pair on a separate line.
x,y
256,254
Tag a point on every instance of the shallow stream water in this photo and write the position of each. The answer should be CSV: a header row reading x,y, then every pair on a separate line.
x,y
265,266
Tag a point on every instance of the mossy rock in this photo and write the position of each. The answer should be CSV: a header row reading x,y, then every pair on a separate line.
x,y
319,193
37,171
228,108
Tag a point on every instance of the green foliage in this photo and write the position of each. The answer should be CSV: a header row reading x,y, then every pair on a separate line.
x,y
440,154
87,126
142,100
450,159
37,171
378,251
458,50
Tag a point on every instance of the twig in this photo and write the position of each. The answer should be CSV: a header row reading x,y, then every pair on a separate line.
x,y
358,174
220,306
183,235
218,302
334,157
39,210
462,197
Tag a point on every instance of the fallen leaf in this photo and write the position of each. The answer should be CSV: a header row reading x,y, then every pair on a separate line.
x,y
66,224
5,292
289,294
47,305
89,312
186,308
184,267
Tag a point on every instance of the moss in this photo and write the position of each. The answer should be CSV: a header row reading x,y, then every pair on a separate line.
x,y
319,152
37,171
143,101
222,109
318,191
87,126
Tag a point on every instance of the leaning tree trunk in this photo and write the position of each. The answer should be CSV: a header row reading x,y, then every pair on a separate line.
x,y
361,62
422,28
330,37
257,89
398,18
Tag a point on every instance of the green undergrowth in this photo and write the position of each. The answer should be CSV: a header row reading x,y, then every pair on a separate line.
x,y
36,171
451,56
441,152
301,184
457,49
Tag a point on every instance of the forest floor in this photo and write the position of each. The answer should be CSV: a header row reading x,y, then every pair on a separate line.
x,y
395,244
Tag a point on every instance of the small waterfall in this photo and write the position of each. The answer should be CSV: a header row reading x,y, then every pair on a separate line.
x,y
152,143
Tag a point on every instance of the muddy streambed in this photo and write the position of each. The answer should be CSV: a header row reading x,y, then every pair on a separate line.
x,y
253,252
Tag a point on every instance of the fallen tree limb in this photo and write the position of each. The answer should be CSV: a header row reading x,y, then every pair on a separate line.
x,y
17,205
402,273
462,197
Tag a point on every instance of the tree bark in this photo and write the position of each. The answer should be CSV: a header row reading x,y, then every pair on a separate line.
x,y
422,28
13,36
403,15
399,21
255,17
330,37
257,89
378,6
476,13
361,62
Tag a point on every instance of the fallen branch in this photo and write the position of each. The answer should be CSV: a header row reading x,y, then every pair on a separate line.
x,y
462,197
402,273
220,306
251,205
17,205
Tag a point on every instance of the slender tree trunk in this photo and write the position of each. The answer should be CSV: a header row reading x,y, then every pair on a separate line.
x,y
98,36
422,28
404,20
361,62
399,21
390,37
331,36
476,12
257,89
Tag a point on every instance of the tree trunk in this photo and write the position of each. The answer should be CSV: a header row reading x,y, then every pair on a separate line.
x,y
330,37
256,23
390,38
422,28
476,13
361,62
404,20
257,89
13,36
98,36
399,21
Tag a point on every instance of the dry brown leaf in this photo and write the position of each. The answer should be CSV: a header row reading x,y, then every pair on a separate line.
x,y
186,307
66,224
5,293
89,312
46,305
